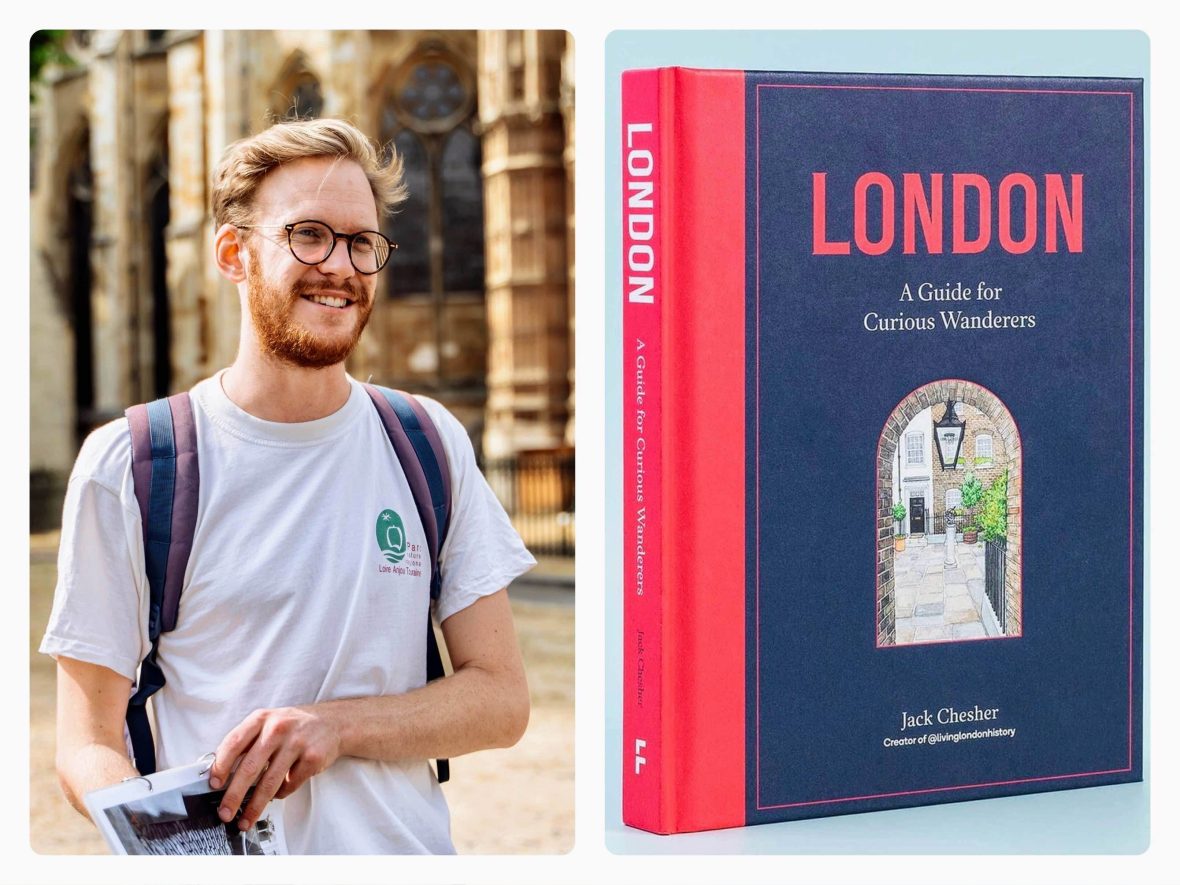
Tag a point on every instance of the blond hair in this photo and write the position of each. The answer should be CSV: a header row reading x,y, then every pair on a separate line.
x,y
247,162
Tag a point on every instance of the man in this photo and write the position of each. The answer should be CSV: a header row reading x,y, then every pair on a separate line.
x,y
299,652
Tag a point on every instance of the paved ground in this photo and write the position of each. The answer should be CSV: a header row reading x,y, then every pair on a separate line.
x,y
514,801
935,603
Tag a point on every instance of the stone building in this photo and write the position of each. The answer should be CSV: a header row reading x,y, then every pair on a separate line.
x,y
913,477
921,483
476,309
984,452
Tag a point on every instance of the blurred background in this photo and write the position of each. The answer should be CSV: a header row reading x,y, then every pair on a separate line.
x,y
476,310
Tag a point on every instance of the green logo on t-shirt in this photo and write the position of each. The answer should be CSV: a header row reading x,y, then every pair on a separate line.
x,y
391,536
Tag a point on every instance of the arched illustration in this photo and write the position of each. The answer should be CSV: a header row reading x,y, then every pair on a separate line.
x,y
949,528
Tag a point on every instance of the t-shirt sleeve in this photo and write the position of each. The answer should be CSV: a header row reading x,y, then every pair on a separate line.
x,y
482,552
100,603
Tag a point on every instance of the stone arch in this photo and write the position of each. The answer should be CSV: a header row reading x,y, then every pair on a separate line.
x,y
69,153
297,93
155,218
911,405
69,262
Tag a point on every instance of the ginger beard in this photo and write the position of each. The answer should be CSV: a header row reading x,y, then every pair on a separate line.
x,y
280,336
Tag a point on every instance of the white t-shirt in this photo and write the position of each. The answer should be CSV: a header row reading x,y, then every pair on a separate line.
x,y
288,598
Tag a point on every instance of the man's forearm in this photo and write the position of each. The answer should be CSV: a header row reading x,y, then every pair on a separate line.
x,y
86,767
470,710
484,704
91,753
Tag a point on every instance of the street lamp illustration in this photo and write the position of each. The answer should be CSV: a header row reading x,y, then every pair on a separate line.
x,y
948,433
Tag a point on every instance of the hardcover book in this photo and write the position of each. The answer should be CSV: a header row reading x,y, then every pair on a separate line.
x,y
883,458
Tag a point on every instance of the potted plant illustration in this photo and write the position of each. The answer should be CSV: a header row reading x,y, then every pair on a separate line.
x,y
972,494
899,514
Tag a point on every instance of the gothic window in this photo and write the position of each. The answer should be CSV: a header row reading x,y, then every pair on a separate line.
x,y
462,213
409,271
428,116
433,90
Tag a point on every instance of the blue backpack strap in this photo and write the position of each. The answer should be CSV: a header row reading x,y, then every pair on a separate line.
x,y
419,450
167,480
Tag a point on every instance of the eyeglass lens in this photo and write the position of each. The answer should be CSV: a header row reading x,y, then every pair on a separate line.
x,y
312,243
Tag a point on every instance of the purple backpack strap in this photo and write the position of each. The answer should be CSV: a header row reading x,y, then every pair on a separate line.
x,y
161,431
430,431
419,450
167,482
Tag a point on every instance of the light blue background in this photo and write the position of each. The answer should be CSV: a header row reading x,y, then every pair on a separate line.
x,y
1101,820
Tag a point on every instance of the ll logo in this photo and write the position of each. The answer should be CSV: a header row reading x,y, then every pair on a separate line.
x,y
391,536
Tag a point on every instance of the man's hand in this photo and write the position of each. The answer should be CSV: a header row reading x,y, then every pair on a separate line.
x,y
276,751
484,703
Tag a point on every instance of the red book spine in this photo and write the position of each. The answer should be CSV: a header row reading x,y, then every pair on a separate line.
x,y
684,738
644,216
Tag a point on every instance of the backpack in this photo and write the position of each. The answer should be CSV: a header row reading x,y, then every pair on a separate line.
x,y
167,481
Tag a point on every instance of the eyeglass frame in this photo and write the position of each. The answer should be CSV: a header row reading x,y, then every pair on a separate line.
x,y
336,237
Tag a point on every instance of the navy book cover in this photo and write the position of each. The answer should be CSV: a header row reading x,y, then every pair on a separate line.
x,y
883,362
943,428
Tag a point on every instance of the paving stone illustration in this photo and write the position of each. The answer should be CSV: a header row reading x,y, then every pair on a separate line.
x,y
973,630
926,634
966,616
933,603
927,621
958,603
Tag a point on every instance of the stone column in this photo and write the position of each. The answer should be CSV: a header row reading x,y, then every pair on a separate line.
x,y
193,317
112,292
567,113
58,114
347,79
51,342
227,115
525,235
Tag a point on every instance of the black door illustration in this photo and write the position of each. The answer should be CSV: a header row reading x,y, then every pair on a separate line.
x,y
917,516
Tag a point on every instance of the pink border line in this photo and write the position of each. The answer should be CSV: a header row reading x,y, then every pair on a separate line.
x,y
943,89
758,453
1048,777
1131,462
757,457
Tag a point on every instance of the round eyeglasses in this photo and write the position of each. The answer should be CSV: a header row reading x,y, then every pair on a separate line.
x,y
312,242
